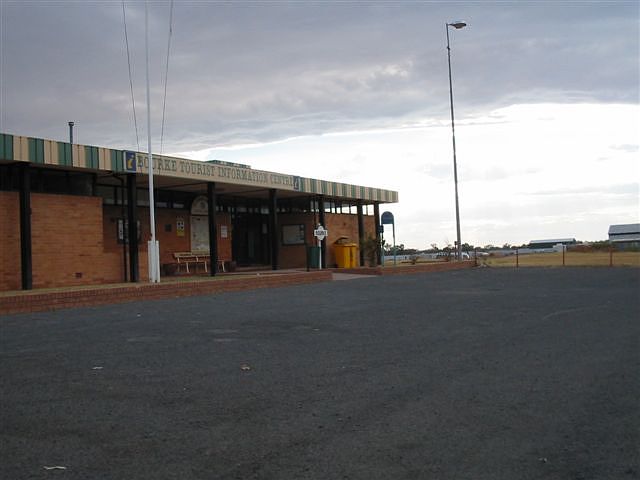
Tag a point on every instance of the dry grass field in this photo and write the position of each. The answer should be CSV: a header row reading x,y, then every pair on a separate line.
x,y
571,259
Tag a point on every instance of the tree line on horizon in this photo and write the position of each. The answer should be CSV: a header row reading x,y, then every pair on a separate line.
x,y
467,247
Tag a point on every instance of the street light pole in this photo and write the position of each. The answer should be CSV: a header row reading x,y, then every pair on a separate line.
x,y
457,25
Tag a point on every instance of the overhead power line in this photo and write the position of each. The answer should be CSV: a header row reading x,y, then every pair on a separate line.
x,y
133,101
166,76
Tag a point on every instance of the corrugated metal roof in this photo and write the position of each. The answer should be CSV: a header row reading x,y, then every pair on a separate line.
x,y
553,240
628,228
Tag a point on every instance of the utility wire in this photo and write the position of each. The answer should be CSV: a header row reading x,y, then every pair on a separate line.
x,y
133,101
166,76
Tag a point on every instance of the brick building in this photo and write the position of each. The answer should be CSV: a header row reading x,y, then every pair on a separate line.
x,y
76,214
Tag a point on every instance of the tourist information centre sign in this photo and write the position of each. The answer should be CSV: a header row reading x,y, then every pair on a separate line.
x,y
211,171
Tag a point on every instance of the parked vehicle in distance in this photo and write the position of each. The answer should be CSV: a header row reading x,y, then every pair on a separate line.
x,y
465,255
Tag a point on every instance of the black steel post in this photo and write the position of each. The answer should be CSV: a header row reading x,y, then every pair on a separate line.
x,y
25,227
273,227
213,229
120,198
361,233
132,220
376,215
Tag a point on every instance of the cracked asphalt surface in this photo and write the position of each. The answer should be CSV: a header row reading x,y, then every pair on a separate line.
x,y
471,374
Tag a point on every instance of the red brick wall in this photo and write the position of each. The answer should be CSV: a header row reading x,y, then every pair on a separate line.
x,y
345,225
67,242
10,278
338,225
224,244
74,240
295,256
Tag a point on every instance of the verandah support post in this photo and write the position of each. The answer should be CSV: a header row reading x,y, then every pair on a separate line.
x,y
123,213
376,215
213,230
132,221
273,227
360,232
25,227
323,244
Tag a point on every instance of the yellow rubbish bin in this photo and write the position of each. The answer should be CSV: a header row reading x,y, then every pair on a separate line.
x,y
353,255
345,253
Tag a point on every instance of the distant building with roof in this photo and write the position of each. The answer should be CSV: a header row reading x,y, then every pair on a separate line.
x,y
550,243
625,236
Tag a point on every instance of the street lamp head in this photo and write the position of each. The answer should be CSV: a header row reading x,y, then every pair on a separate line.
x,y
458,24
71,124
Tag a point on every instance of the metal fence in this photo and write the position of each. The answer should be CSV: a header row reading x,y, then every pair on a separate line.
x,y
567,258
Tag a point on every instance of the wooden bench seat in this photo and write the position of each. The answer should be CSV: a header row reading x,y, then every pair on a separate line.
x,y
195,258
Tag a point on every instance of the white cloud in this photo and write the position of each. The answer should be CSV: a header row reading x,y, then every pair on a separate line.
x,y
510,172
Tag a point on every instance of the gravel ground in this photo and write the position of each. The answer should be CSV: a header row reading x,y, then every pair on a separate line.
x,y
473,374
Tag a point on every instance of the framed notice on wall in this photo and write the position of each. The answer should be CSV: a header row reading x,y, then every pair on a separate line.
x,y
180,226
293,234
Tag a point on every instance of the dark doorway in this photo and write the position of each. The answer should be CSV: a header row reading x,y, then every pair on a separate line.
x,y
250,240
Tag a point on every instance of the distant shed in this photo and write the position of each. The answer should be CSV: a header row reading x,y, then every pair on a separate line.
x,y
626,236
551,242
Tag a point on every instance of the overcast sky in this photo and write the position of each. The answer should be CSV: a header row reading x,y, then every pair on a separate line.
x,y
546,100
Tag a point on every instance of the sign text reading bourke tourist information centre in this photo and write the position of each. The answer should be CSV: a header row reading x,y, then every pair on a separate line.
x,y
209,171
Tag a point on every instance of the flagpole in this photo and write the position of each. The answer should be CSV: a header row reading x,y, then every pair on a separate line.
x,y
153,247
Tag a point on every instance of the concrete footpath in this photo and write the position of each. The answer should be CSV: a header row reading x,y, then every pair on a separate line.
x,y
477,374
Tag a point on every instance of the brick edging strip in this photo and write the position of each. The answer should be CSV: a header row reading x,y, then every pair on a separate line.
x,y
26,302
102,295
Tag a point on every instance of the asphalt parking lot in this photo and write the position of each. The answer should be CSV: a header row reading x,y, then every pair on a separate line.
x,y
472,374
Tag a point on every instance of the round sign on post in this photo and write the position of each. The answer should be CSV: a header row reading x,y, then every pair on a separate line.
x,y
320,233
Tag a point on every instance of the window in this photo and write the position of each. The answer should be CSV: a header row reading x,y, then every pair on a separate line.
x,y
293,234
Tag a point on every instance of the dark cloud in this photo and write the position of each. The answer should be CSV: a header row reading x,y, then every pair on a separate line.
x,y
254,71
